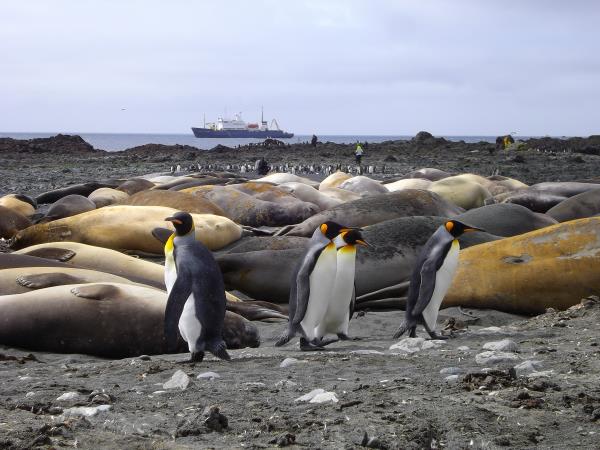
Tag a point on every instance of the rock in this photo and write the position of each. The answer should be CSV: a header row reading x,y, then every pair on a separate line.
x,y
285,384
451,379
528,367
210,420
490,330
494,357
435,343
287,362
463,348
179,380
144,358
372,442
68,396
505,345
451,370
366,352
413,345
318,396
86,411
284,440
30,394
215,420
208,375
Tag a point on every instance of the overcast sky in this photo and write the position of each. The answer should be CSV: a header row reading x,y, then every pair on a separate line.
x,y
324,66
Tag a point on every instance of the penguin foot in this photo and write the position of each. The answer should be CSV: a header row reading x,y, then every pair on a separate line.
x,y
196,357
345,337
306,346
324,342
435,336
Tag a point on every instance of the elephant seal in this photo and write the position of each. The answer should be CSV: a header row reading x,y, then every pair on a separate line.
x,y
309,194
554,267
408,183
178,181
536,201
505,219
84,189
340,194
586,204
428,173
363,186
461,191
279,178
504,184
207,181
377,208
245,209
566,188
15,260
69,205
126,228
173,199
135,185
264,273
11,222
334,180
20,203
272,193
109,320
107,196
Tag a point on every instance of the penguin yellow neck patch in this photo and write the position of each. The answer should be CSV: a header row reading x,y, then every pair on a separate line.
x,y
169,244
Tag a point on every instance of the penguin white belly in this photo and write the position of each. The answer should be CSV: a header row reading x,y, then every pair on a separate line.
x,y
189,325
443,280
338,307
321,285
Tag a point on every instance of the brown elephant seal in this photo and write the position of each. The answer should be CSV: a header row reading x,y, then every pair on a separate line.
x,y
84,189
408,183
428,173
505,219
339,194
504,184
536,201
11,222
309,194
248,210
264,273
554,267
364,186
69,205
334,180
177,181
279,178
20,203
586,204
126,228
173,199
377,208
14,260
135,185
107,196
206,181
273,193
110,320
461,190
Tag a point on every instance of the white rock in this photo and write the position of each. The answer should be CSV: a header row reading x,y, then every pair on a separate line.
x,y
87,411
68,396
451,370
528,367
451,379
541,374
324,398
490,330
408,345
179,380
366,352
432,344
30,394
285,384
463,348
505,345
493,357
287,362
209,375
308,397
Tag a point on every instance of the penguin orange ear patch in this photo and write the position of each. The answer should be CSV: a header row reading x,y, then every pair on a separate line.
x,y
324,228
449,226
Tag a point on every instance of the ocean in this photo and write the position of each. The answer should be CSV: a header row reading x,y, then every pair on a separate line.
x,y
117,141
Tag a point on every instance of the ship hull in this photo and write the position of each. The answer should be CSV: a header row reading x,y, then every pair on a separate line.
x,y
208,133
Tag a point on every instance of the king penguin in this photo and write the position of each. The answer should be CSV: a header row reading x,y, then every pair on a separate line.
x,y
196,302
340,306
432,277
311,285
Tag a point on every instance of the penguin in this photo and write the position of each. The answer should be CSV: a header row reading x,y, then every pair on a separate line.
x,y
311,286
340,305
432,277
196,302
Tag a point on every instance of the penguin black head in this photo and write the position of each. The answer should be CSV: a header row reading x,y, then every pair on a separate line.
x,y
456,228
353,237
331,229
183,223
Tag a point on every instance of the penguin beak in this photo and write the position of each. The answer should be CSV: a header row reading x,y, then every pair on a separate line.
x,y
364,243
174,220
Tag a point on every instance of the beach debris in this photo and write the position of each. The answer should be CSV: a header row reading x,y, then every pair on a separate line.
x,y
451,379
505,345
413,345
208,375
179,380
493,357
86,411
69,396
287,362
318,396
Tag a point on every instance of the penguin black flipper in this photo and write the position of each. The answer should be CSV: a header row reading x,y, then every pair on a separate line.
x,y
303,284
352,303
178,296
427,286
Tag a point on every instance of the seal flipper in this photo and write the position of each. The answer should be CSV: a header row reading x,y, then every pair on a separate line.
x,y
95,291
179,294
44,280
55,253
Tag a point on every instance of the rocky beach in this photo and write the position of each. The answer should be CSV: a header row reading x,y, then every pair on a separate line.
x,y
503,381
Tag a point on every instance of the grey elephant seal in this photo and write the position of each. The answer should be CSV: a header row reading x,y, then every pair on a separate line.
x,y
586,204
68,206
84,189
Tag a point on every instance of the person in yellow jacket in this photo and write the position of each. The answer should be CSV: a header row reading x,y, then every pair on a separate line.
x,y
358,153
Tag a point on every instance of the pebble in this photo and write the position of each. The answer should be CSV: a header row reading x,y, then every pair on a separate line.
x,y
505,345
86,411
494,357
287,362
68,396
413,345
528,367
209,375
366,352
451,370
179,380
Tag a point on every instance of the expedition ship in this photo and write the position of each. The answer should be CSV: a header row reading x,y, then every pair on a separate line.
x,y
238,128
